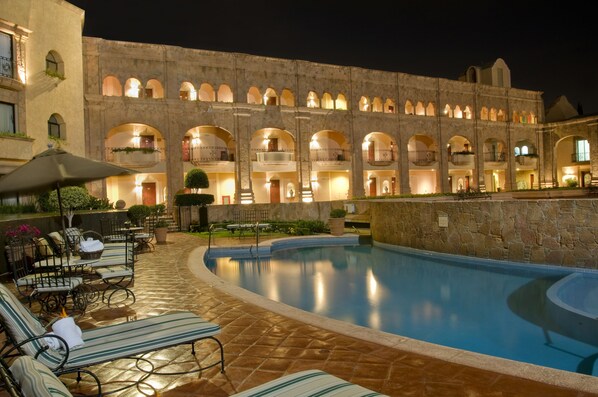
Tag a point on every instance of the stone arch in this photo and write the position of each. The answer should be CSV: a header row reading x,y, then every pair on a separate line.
x,y
111,86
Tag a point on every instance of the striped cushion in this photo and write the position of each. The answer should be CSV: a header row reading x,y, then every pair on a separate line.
x,y
36,380
21,323
308,383
106,343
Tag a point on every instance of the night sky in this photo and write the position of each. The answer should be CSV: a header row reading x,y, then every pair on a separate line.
x,y
547,48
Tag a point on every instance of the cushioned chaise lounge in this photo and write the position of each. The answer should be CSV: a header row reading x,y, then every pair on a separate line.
x,y
310,383
103,344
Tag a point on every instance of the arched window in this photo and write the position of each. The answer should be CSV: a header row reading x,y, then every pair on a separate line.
x,y
448,112
287,98
515,117
54,65
312,100
111,87
56,127
327,102
341,102
501,115
153,89
225,94
458,114
206,93
409,108
187,92
133,88
484,113
364,104
493,115
253,96
467,113
430,109
420,110
389,106
377,105
270,97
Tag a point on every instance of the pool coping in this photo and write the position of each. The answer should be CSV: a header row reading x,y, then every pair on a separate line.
x,y
551,376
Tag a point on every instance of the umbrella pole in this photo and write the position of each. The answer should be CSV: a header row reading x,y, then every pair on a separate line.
x,y
66,241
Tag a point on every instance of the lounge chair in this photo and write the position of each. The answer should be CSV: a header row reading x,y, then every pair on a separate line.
x,y
309,383
26,335
27,377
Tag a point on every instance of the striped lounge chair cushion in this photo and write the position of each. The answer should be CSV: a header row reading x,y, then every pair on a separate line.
x,y
105,343
308,383
37,380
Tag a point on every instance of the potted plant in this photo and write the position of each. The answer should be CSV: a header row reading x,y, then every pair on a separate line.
x,y
336,222
161,231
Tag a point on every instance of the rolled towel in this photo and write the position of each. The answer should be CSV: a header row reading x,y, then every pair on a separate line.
x,y
69,331
53,343
91,246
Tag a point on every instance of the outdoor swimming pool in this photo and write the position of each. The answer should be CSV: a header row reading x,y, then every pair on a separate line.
x,y
490,307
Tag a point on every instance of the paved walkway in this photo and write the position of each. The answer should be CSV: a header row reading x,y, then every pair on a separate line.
x,y
260,345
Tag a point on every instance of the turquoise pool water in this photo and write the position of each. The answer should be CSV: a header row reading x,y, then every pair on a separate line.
x,y
496,308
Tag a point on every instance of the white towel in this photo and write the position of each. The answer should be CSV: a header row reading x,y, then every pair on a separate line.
x,y
53,343
69,331
91,245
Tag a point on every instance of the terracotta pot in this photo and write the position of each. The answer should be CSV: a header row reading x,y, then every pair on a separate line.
x,y
161,233
337,226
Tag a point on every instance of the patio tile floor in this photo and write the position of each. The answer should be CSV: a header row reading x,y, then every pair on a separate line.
x,y
260,345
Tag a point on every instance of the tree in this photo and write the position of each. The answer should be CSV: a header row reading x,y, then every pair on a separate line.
x,y
197,179
73,198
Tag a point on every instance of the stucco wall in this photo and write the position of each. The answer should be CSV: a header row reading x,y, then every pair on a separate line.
x,y
556,232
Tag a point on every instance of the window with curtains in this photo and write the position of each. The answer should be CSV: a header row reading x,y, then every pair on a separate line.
x,y
7,118
6,59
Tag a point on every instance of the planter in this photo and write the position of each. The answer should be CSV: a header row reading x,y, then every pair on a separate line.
x,y
161,234
337,226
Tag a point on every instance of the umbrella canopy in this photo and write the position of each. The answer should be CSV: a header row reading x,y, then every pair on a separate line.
x,y
56,168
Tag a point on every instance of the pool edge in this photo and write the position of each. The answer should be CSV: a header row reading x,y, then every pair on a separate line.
x,y
551,376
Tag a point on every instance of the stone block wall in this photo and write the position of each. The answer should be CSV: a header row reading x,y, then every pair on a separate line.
x,y
555,232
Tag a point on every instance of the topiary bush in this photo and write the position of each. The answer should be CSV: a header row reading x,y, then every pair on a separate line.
x,y
73,198
183,200
137,213
197,179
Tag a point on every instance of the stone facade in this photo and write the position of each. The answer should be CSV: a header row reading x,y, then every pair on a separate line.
x,y
553,232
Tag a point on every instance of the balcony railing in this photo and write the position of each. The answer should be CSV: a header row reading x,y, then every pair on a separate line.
x,y
464,158
422,157
580,157
527,160
134,157
278,156
379,157
207,154
495,157
329,155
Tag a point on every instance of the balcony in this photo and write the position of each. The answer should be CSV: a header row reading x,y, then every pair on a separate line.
x,y
527,162
462,159
379,158
495,160
14,148
422,158
207,155
330,159
133,157
281,161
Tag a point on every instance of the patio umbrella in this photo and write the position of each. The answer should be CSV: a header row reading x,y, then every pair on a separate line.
x,y
56,168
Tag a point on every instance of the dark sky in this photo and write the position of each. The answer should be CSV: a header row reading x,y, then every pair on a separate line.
x,y
548,48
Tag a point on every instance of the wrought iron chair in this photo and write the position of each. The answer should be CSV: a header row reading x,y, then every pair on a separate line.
x,y
117,274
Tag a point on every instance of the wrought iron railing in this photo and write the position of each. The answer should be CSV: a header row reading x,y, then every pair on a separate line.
x,y
422,157
329,155
495,157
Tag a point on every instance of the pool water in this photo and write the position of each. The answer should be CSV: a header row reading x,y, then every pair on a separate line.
x,y
489,307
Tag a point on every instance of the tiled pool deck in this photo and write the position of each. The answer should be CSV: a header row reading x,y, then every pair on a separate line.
x,y
261,343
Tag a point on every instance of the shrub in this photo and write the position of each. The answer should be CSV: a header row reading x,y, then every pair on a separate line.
x,y
100,203
183,200
73,197
338,213
197,179
138,212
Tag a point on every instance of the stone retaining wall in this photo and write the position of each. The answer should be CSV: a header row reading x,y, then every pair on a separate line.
x,y
556,232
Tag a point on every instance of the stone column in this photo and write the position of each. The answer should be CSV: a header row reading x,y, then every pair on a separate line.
x,y
593,141
547,158
303,132
243,189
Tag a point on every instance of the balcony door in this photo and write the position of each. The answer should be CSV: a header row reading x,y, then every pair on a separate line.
x,y
273,145
186,149
146,141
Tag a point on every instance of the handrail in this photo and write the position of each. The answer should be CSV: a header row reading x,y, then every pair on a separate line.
x,y
210,229
257,238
